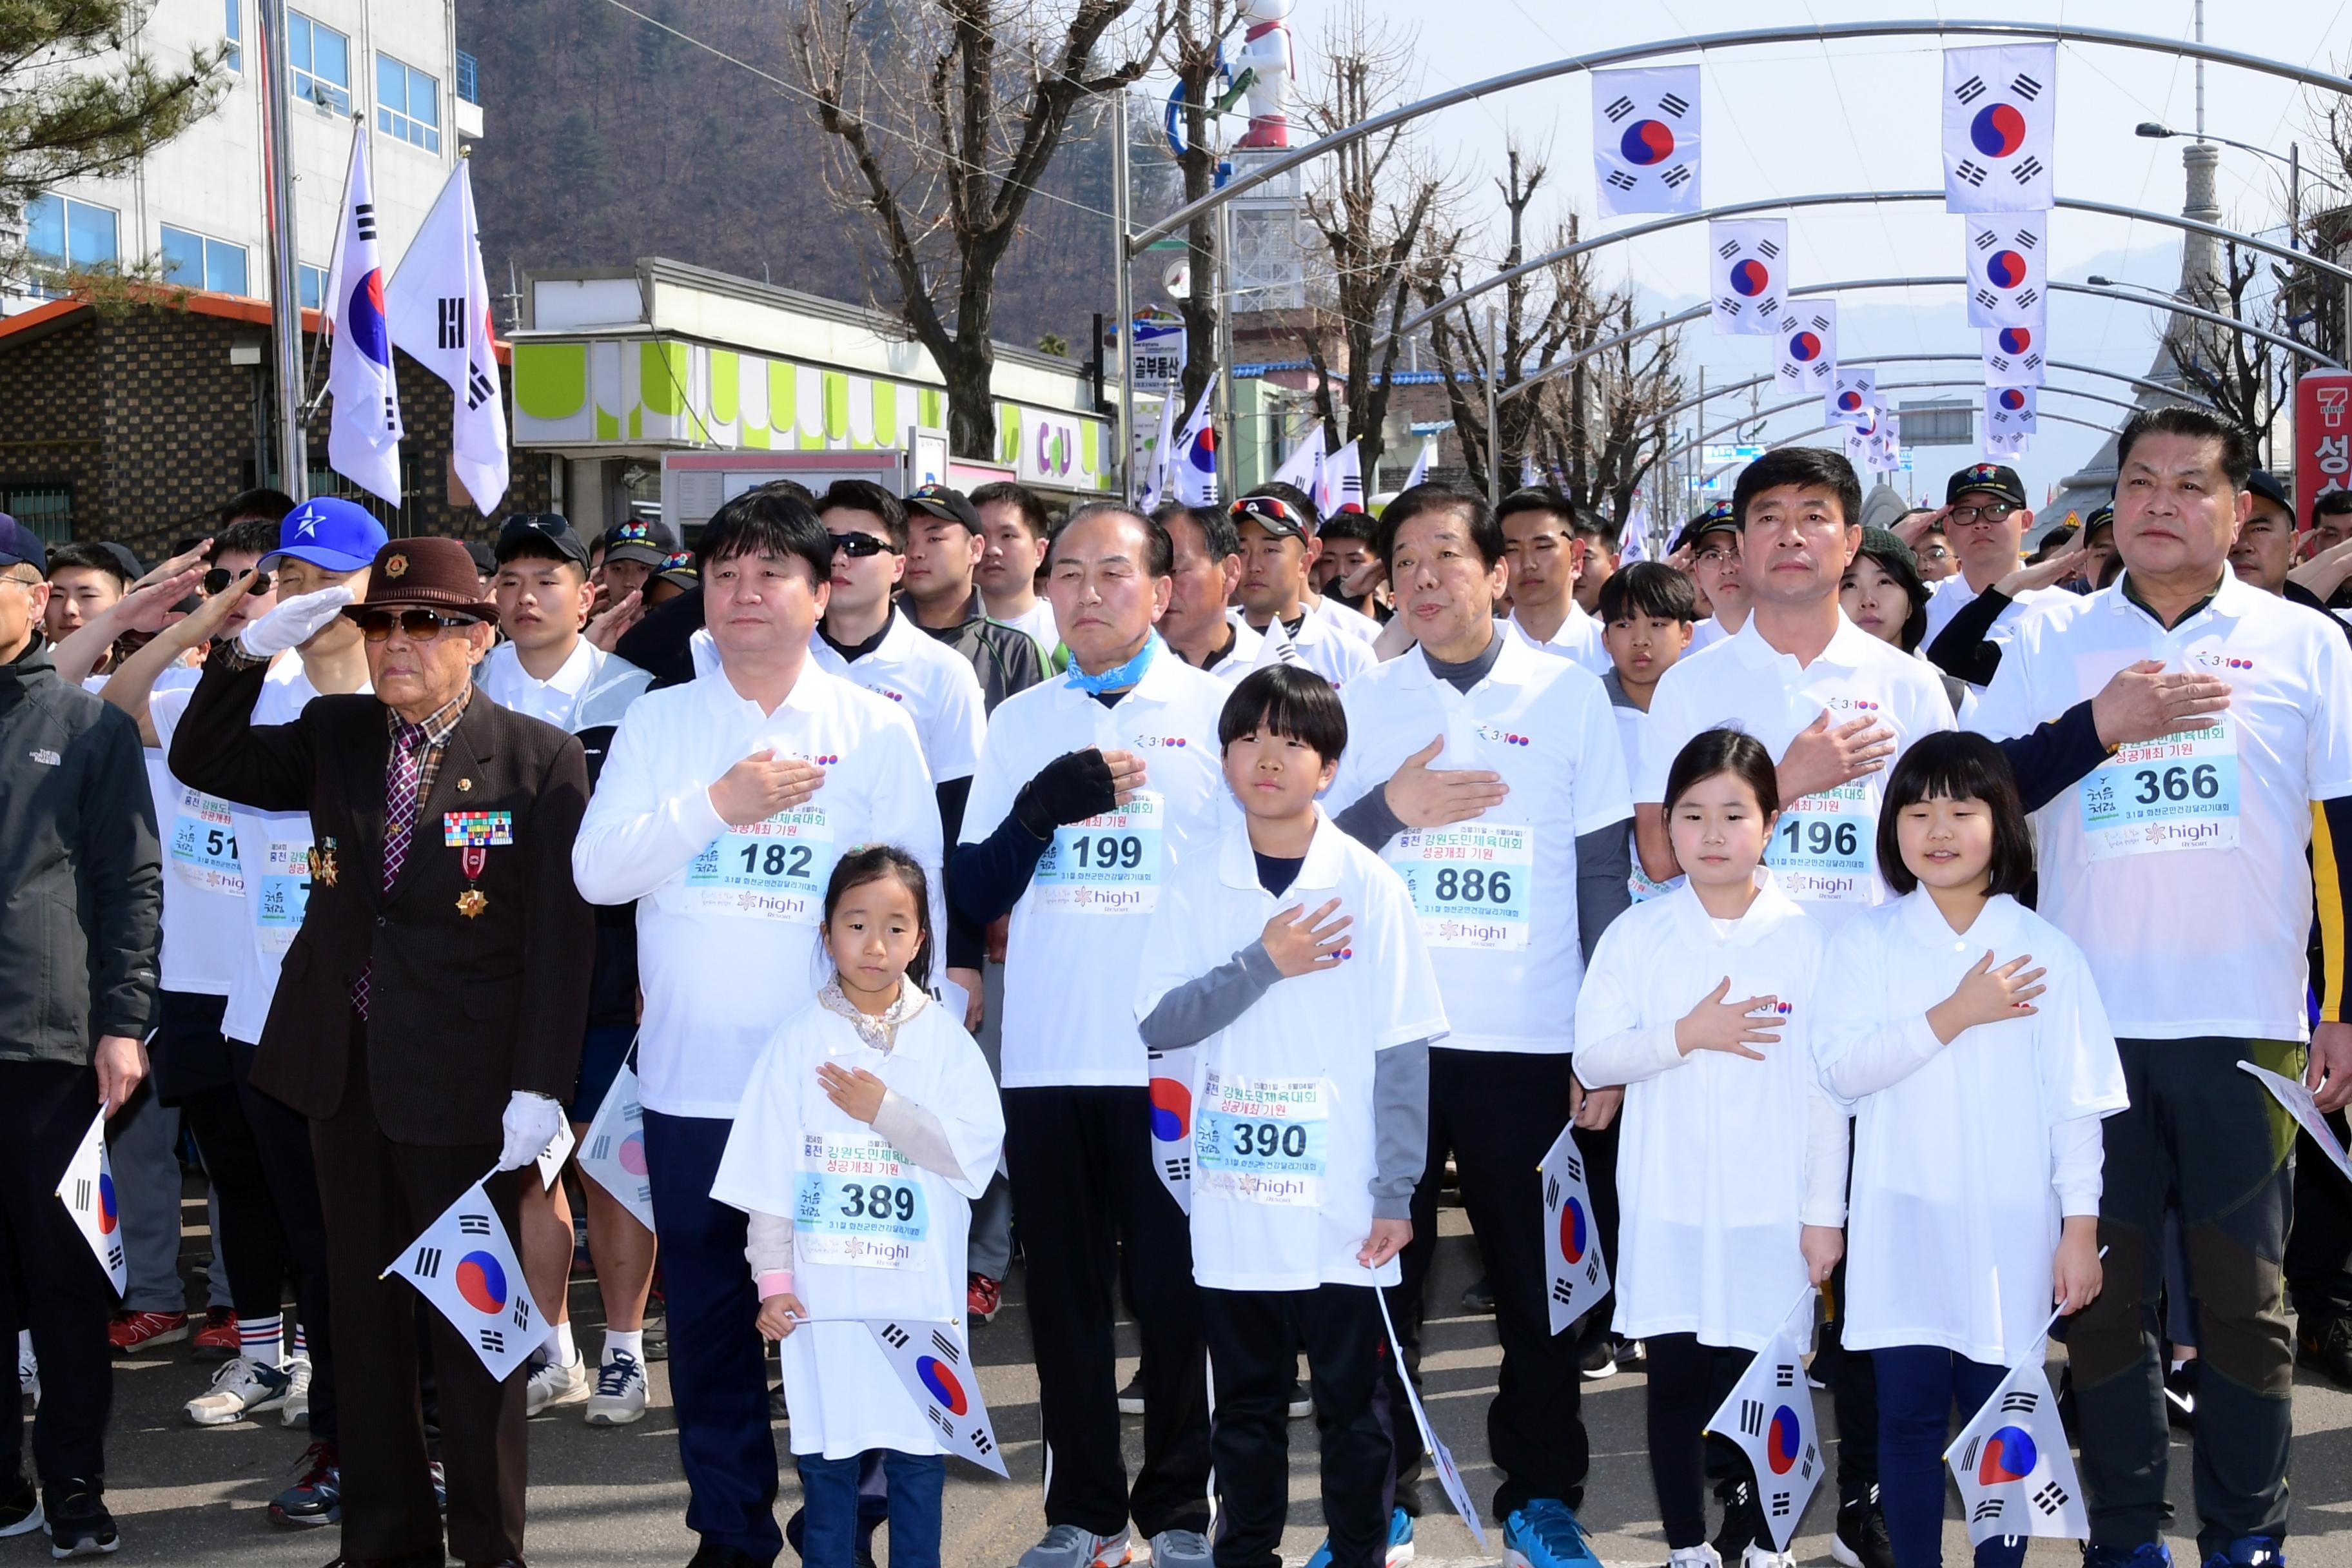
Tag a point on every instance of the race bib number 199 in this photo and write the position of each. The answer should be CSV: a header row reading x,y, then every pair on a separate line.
x,y
1822,847
1470,883
2176,793
1106,865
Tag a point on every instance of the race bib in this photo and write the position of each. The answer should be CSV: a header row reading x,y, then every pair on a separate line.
x,y
860,1203
204,845
1822,849
2176,793
283,892
771,870
1470,883
1262,1140
1107,865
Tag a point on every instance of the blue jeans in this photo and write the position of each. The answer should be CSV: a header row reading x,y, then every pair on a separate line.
x,y
1918,1386
829,1490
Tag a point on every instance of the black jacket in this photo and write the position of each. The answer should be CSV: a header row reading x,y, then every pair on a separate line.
x,y
82,877
1006,658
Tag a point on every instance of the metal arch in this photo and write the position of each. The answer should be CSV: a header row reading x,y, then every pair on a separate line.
x,y
1821,33
1701,438
1738,386
1790,440
1843,198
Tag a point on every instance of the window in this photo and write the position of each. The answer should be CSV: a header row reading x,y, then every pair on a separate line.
x,y
67,232
470,86
310,283
200,263
47,510
320,62
407,104
233,30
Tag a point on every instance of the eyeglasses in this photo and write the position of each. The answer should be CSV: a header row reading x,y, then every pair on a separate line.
x,y
1969,516
416,626
1716,557
859,546
219,580
1935,553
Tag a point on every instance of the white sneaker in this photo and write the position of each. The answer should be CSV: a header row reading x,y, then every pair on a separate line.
x,y
1758,1555
1700,1556
1067,1546
242,1387
620,1397
296,1411
553,1385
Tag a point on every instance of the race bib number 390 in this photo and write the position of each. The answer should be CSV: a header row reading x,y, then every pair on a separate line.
x,y
1470,883
1822,847
773,870
2176,793
1106,865
860,1203
1261,1140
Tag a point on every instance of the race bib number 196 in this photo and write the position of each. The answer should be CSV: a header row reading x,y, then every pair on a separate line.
x,y
2176,793
1470,883
1822,847
1106,865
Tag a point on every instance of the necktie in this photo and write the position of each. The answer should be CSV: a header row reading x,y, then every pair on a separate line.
x,y
401,775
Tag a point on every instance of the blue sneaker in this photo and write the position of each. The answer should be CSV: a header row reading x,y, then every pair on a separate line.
x,y
2250,1552
1400,1543
1546,1534
2154,1554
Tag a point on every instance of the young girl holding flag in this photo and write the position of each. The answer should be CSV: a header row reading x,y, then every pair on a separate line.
x,y
866,1129
1968,1034
1731,1167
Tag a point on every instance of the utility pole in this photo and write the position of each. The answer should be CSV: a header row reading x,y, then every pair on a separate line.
x,y
1494,434
277,207
1122,290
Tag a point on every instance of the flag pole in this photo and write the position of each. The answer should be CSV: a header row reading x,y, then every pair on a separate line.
x,y
278,210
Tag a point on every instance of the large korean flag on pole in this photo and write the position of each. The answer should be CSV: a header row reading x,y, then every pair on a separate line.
x,y
1749,259
1999,105
2011,411
466,1266
1770,1415
1579,1275
440,306
932,1362
363,430
1852,394
87,1189
1192,465
1808,346
2016,1477
2008,271
2013,356
1645,139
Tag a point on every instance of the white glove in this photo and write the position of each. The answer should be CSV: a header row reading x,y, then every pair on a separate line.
x,y
530,1121
294,621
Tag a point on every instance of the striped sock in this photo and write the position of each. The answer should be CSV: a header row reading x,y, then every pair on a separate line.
x,y
262,1340
301,1342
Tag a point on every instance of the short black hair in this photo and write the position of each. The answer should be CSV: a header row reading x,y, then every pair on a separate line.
x,y
253,534
1546,499
1592,525
271,504
864,495
1291,495
1289,701
1958,764
793,488
1485,534
1020,498
1356,525
766,521
1158,552
1812,467
2175,419
1219,537
1736,751
1649,588
2331,503
879,862
90,557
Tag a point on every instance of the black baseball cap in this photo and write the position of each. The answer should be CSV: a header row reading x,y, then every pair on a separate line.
x,y
20,546
2265,484
681,570
648,540
1997,480
540,531
486,561
2102,515
1720,518
947,505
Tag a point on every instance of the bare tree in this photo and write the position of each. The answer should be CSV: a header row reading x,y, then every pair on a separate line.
x,y
947,114
1195,30
1601,424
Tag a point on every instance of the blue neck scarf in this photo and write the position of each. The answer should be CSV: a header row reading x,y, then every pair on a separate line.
x,y
1126,675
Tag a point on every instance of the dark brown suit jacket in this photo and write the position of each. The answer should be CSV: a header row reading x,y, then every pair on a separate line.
x,y
462,1012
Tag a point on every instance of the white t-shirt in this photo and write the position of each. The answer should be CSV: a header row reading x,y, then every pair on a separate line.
x,y
1953,595
203,885
1721,1159
1243,657
727,919
792,1152
1497,894
1824,850
932,682
2179,866
559,698
1964,1160
1344,617
1705,633
1284,1144
1037,620
1579,639
1079,929
1319,644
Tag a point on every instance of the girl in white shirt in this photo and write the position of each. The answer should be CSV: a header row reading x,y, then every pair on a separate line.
x,y
1968,1035
1731,1167
869,1122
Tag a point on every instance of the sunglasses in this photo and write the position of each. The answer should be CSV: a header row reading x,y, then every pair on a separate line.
x,y
416,626
858,546
218,580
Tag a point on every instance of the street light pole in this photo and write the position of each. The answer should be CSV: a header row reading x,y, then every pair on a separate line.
x,y
1123,289
1494,434
277,209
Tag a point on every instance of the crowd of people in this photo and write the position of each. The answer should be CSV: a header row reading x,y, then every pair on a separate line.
x,y
1887,914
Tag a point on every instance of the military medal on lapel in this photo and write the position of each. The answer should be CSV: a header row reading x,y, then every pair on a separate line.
x,y
473,834
324,868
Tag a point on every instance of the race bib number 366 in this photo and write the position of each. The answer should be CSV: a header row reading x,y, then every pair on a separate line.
x,y
1822,847
774,869
859,1201
1470,883
1106,865
2177,793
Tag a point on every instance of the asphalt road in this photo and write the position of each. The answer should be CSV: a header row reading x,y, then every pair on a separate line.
x,y
194,1496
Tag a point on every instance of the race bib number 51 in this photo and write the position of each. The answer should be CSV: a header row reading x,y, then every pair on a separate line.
x,y
1470,883
2176,793
1106,865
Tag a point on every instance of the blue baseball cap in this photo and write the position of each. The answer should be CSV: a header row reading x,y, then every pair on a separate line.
x,y
20,546
338,534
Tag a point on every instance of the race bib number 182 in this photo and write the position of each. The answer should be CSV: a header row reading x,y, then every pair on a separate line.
x,y
774,869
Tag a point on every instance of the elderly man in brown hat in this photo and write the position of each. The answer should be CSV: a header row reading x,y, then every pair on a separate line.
x,y
430,1015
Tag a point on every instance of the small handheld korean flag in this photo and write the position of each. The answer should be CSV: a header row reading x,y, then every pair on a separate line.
x,y
1808,345
2015,1474
930,1359
2013,356
1449,1474
550,1159
2305,1110
2011,411
1999,105
87,1189
2008,277
1419,473
1748,259
1579,1275
1645,139
614,1155
1193,464
1633,543
466,1266
1770,1415
1852,395
1173,1075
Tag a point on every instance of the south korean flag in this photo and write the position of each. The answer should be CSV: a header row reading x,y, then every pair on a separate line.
x,y
2015,446
87,1189
1749,259
1175,1079
1999,105
1808,346
1852,394
2011,411
2008,271
930,1359
614,1155
1578,1274
1770,1415
1645,139
1883,448
466,1266
2016,1477
2013,356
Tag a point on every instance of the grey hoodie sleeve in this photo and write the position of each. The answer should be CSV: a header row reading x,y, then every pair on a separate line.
x,y
1604,863
1199,1008
1399,1127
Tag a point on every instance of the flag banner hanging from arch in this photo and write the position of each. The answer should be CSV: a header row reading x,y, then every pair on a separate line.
x,y
2011,411
2000,108
1645,141
2015,446
1852,395
2008,272
1808,346
2013,356
1749,259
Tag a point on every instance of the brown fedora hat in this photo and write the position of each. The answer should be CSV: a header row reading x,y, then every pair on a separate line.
x,y
430,574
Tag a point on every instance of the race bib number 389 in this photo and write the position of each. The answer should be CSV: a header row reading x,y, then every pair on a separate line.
x,y
1470,883
1106,865
2176,793
859,1201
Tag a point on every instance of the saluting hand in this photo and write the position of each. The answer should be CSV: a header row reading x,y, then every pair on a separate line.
x,y
1731,1027
763,784
1302,943
1988,996
1424,796
1825,755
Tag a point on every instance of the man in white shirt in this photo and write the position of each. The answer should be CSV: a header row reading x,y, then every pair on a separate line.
x,y
1091,788
1278,548
1207,569
2181,870
1984,516
721,810
1013,522
1546,555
